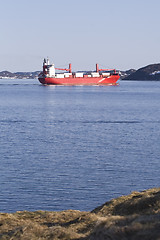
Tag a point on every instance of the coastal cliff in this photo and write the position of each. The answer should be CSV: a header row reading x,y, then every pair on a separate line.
x,y
136,216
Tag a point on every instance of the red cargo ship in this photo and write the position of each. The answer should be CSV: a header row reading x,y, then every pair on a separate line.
x,y
99,77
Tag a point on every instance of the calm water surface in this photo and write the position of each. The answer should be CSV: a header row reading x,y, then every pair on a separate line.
x,y
76,147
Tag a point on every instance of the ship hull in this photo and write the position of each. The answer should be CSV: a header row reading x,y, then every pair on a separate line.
x,y
111,80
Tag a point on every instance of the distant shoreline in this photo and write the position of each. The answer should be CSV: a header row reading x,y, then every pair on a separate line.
x,y
19,75
148,73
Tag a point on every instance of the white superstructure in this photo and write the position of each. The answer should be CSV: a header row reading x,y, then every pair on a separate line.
x,y
49,69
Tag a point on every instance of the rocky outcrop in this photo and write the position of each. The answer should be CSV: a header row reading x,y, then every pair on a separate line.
x,y
135,217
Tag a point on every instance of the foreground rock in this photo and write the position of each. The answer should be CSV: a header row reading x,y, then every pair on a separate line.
x,y
136,216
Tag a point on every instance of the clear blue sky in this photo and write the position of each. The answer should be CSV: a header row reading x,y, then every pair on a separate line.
x,y
122,34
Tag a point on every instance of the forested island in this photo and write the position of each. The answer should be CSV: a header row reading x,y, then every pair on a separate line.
x,y
148,73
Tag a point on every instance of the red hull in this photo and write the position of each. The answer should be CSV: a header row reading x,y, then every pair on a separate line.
x,y
111,80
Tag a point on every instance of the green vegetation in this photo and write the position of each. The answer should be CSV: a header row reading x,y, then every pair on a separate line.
x,y
136,216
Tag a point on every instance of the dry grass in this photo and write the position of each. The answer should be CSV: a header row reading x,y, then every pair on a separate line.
x,y
136,216
146,202
46,225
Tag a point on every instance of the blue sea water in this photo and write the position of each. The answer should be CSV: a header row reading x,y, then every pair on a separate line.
x,y
76,147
